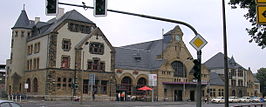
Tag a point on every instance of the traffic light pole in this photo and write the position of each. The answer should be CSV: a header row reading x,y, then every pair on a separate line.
x,y
139,15
226,86
198,88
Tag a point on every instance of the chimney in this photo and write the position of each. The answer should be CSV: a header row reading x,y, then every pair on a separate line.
x,y
60,13
37,19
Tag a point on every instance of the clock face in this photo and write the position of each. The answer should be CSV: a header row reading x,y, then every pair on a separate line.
x,y
177,38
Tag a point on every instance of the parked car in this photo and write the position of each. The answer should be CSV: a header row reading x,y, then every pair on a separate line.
x,y
7,103
255,99
217,100
245,99
233,99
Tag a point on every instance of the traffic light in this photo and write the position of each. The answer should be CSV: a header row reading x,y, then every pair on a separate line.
x,y
75,85
51,7
100,8
196,69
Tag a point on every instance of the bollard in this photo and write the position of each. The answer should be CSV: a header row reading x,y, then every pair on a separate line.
x,y
12,97
8,97
20,98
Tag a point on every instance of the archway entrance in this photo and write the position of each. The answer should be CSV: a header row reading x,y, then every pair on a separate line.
x,y
126,84
141,82
240,93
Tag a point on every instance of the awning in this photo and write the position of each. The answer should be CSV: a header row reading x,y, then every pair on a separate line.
x,y
181,83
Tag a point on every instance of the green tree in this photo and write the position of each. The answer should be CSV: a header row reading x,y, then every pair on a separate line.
x,y
257,32
261,76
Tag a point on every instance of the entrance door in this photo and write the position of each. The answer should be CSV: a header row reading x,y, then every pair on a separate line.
x,y
192,95
178,95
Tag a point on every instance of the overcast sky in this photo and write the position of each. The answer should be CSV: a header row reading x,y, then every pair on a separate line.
x,y
204,15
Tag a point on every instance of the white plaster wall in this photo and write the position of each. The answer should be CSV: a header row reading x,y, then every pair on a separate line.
x,y
43,53
106,57
75,38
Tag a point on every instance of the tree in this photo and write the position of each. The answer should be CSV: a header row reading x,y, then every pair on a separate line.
x,y
257,32
261,76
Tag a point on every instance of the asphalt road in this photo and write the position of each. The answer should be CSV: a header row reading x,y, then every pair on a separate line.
x,y
116,104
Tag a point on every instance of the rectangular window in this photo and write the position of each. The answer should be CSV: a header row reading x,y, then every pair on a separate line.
x,y
70,82
37,63
28,35
58,83
16,33
240,73
233,72
22,33
104,87
96,48
37,47
85,86
95,64
29,50
233,82
34,63
66,44
102,65
65,62
89,65
30,64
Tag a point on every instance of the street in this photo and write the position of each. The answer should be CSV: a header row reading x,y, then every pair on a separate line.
x,y
116,104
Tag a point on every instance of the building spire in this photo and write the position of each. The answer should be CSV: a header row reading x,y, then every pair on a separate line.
x,y
23,6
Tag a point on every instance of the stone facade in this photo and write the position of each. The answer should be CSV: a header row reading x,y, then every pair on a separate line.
x,y
62,53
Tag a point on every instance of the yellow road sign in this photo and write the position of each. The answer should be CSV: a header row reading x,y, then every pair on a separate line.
x,y
198,42
261,1
261,14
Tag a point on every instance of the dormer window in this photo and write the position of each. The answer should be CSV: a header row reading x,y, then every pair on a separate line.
x,y
96,48
79,28
137,57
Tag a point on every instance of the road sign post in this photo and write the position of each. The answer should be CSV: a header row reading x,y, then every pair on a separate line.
x,y
261,12
198,42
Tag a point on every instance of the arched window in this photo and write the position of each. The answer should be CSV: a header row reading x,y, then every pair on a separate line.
x,y
141,82
29,85
179,69
35,85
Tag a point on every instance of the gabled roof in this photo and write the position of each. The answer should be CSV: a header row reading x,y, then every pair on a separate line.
x,y
140,56
23,21
96,31
217,62
144,56
44,28
215,79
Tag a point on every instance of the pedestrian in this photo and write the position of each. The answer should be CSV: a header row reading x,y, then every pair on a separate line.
x,y
118,96
205,99
93,95
122,96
